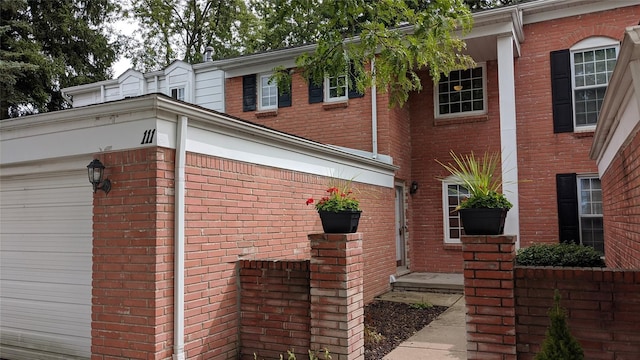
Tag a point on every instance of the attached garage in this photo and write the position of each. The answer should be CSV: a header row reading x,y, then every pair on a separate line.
x,y
45,265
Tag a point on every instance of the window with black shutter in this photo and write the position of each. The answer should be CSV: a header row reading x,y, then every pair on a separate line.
x,y
316,93
561,93
249,92
568,219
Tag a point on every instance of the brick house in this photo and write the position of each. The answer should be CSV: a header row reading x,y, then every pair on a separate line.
x,y
525,100
615,148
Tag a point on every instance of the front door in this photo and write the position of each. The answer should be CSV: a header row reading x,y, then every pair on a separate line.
x,y
400,228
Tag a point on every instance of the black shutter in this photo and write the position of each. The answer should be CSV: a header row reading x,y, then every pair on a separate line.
x,y
284,96
353,91
249,92
561,93
316,92
567,188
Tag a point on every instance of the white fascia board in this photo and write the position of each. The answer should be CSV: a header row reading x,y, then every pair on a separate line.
x,y
151,120
296,159
616,122
545,10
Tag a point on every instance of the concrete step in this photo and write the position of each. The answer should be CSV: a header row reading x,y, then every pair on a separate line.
x,y
430,282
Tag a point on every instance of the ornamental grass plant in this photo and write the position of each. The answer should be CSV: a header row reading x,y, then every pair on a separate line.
x,y
481,178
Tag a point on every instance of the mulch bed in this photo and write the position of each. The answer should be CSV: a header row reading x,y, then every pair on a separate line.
x,y
389,323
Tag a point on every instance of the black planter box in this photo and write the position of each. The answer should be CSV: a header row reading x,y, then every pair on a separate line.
x,y
343,222
483,221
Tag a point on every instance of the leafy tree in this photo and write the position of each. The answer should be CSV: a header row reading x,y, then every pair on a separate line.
x,y
559,343
49,44
182,29
399,37
490,4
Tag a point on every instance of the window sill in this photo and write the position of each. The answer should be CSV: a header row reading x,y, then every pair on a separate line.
x,y
452,246
584,134
266,113
335,105
460,120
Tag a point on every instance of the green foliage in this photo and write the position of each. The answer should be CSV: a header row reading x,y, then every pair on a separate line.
x,y
423,305
182,29
399,37
559,343
48,45
480,176
340,197
559,255
313,355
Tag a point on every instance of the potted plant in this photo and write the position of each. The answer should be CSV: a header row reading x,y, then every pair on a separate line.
x,y
484,210
339,210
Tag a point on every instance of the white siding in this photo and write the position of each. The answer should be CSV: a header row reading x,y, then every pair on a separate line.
x,y
45,266
210,90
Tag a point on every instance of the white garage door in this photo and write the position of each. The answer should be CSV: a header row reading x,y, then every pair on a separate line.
x,y
45,266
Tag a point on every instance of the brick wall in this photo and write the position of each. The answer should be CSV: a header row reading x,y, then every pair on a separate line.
x,y
432,140
132,296
347,124
305,305
274,307
508,307
603,308
234,211
541,153
621,200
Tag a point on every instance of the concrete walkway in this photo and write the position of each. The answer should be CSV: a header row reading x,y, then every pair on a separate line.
x,y
444,338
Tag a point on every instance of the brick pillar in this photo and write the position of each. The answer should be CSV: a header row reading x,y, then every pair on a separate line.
x,y
132,296
489,296
337,304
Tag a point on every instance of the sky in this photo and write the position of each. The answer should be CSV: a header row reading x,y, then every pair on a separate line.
x,y
123,64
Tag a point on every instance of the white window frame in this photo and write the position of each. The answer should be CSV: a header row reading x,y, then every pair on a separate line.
x,y
589,44
446,210
328,87
581,203
261,90
179,90
436,98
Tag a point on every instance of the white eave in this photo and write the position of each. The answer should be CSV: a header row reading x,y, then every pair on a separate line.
x,y
120,125
619,117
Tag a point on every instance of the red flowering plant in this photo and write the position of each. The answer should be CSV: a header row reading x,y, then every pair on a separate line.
x,y
340,197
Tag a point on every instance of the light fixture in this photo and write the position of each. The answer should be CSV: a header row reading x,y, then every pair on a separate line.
x,y
457,87
95,171
414,187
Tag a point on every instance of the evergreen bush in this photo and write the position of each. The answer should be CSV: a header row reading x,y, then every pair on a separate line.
x,y
559,255
559,343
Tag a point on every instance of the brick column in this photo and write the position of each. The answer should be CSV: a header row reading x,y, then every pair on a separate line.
x,y
337,304
489,296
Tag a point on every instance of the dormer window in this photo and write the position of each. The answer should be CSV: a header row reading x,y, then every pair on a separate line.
x,y
178,93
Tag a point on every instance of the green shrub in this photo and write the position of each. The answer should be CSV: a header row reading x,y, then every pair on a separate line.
x,y
559,255
559,343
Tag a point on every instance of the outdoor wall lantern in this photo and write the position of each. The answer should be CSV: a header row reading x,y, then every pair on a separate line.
x,y
95,171
414,187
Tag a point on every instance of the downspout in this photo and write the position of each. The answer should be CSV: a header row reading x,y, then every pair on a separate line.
x,y
374,111
178,282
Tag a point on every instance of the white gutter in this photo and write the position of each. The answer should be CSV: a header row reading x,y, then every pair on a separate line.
x,y
374,111
178,285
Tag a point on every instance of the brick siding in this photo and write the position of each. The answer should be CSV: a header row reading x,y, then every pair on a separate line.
x,y
541,153
233,211
275,309
621,200
132,295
